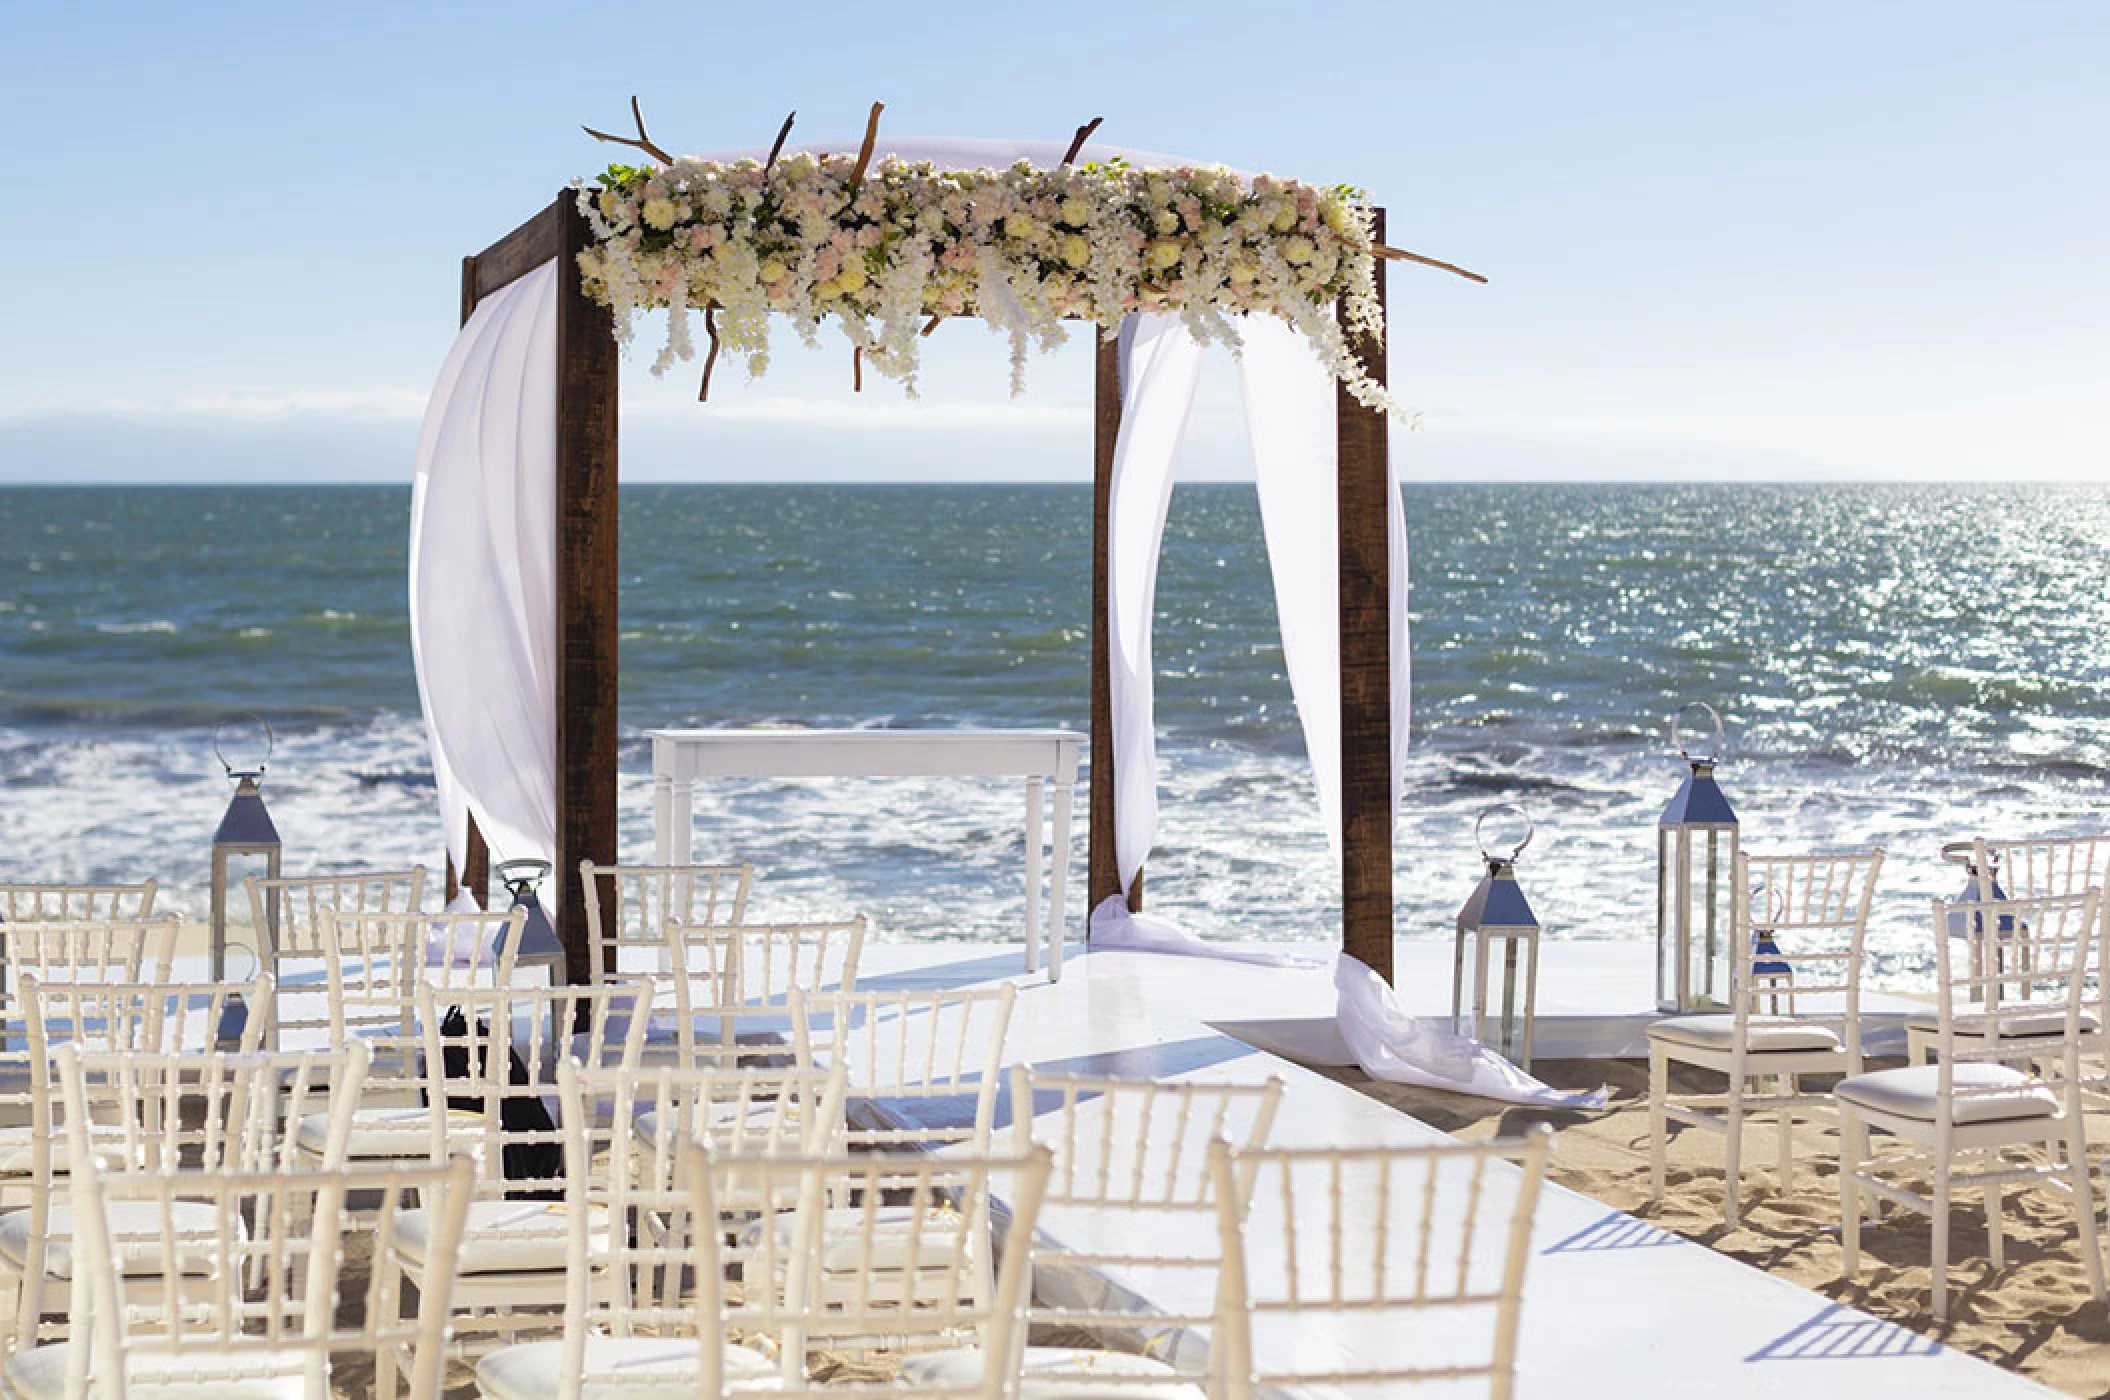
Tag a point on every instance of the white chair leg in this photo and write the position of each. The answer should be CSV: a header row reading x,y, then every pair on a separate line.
x,y
2078,1176
1658,1090
1941,1240
1733,1164
1995,1229
1853,1149
1787,1137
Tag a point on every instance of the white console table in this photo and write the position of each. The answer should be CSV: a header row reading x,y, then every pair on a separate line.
x,y
1040,756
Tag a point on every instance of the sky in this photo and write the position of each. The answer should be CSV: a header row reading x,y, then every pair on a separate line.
x,y
1725,241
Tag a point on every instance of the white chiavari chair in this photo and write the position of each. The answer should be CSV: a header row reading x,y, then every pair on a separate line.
x,y
1356,1271
1129,1196
1966,1118
376,965
908,1292
630,1326
1795,1011
492,1055
287,911
236,1285
630,908
187,1021
731,987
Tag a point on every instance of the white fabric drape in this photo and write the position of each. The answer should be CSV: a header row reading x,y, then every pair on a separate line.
x,y
1393,1046
1289,412
1160,366
483,598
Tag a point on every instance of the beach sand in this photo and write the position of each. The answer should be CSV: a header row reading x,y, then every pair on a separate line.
x,y
2034,1316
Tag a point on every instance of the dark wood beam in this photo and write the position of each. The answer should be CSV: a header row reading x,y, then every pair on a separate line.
x,y
588,583
1103,872
523,250
1363,508
476,873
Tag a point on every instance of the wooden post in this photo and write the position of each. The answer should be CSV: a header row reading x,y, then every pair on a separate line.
x,y
1103,869
1363,510
588,585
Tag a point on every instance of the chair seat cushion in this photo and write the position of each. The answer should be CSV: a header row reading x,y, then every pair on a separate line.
x,y
383,1134
129,1221
1058,1373
40,1374
2013,1023
1914,1092
505,1237
1762,1034
842,1248
617,1368
18,1148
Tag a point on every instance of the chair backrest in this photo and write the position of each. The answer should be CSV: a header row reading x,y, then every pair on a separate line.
x,y
643,1117
27,902
2031,867
1130,1191
142,1108
924,1067
234,1276
288,911
732,983
495,1052
899,1239
1365,1268
2017,992
629,908
1800,928
377,962
90,950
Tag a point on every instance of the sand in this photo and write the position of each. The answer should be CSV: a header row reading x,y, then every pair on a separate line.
x,y
2034,1316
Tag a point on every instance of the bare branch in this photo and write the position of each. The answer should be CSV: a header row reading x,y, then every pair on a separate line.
x,y
710,358
644,138
857,369
864,154
1084,134
1402,255
930,325
778,148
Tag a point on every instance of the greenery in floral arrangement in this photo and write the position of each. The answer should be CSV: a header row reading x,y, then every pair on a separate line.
x,y
884,249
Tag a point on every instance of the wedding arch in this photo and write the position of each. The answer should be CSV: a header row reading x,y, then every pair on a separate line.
x,y
513,571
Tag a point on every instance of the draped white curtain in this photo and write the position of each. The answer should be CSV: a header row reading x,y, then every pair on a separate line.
x,y
483,597
1289,407
1160,365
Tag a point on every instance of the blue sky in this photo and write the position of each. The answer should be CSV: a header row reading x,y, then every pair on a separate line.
x,y
1792,240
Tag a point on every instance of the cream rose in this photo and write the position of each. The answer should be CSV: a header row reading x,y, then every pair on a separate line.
x,y
660,213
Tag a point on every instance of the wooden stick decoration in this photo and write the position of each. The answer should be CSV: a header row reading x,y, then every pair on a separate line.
x,y
710,357
864,154
643,141
778,148
857,369
1402,255
930,325
1084,134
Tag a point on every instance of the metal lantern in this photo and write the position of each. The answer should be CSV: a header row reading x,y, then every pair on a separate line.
x,y
1497,913
1981,886
1695,860
246,837
539,946
1772,975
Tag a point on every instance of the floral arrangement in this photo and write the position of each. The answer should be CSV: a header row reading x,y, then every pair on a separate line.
x,y
891,248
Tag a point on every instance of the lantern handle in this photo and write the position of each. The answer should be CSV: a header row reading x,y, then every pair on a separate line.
x,y
1677,720
1530,830
270,742
1965,854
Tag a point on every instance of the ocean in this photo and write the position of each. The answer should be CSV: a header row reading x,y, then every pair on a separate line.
x,y
1897,665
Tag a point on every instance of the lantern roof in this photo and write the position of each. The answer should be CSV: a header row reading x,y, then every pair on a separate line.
x,y
1497,902
1700,801
246,822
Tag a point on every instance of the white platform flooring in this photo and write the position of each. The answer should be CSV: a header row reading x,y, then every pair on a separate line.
x,y
1614,1306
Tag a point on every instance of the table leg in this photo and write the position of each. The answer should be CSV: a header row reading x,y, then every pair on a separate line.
x,y
662,814
1059,880
683,795
1033,859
